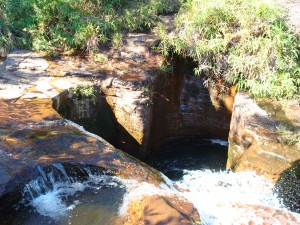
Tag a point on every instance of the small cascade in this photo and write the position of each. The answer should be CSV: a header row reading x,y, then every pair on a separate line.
x,y
220,197
58,173
79,194
63,191
197,170
66,193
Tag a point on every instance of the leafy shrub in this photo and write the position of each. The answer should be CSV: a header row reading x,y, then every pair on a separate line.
x,y
5,34
60,25
244,42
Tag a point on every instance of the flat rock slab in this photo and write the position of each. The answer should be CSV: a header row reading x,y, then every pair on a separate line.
x,y
25,75
32,133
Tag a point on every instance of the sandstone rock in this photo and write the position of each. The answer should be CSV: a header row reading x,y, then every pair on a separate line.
x,y
145,104
184,107
264,135
32,133
155,210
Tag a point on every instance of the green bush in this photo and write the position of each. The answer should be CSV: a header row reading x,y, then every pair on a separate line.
x,y
244,42
86,91
60,25
5,34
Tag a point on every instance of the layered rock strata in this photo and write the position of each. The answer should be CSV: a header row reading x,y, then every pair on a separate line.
x,y
264,135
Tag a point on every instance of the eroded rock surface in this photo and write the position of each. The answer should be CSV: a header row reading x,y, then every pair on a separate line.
x,y
264,135
184,107
33,134
155,209
125,77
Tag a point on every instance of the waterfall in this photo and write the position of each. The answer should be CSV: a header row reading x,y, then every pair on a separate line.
x,y
220,197
197,170
66,193
51,194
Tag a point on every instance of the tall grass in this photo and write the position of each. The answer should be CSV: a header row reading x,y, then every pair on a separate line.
x,y
244,42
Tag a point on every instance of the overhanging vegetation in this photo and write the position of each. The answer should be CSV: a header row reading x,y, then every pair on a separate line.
x,y
244,42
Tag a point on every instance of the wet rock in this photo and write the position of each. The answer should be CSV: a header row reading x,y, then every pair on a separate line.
x,y
154,210
264,135
32,133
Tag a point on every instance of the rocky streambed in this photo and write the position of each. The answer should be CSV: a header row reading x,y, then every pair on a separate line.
x,y
139,101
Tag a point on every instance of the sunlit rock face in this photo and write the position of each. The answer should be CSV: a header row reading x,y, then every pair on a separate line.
x,y
131,108
155,209
127,87
147,99
125,79
264,135
32,133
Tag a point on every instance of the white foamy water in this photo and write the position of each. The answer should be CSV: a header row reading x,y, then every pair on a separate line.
x,y
224,197
53,201
218,142
218,196
137,190
60,199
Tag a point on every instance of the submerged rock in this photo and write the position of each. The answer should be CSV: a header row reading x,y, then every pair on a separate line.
x,y
264,135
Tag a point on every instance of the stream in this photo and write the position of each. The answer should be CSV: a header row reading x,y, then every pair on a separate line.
x,y
198,169
79,194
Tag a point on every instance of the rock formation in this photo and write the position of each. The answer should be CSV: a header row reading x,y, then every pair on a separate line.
x,y
33,134
264,135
